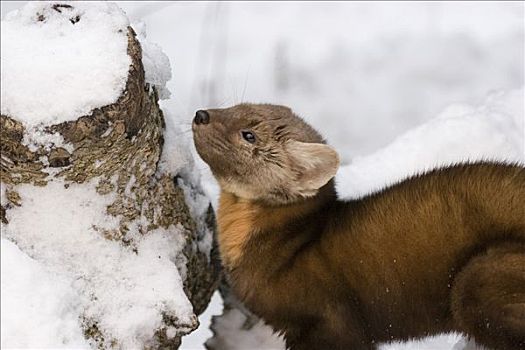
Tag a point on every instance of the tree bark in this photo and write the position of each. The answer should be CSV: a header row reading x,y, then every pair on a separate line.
x,y
120,141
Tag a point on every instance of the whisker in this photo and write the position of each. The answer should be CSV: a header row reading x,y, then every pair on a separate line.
x,y
245,84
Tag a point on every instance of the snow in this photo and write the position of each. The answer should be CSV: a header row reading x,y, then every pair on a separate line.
x,y
36,137
54,70
156,63
125,291
363,72
29,289
176,154
234,336
461,133
196,339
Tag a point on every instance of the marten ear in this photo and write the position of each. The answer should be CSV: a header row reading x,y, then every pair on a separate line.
x,y
316,163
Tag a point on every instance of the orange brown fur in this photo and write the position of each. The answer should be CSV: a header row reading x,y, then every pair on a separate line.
x,y
438,252
236,217
240,218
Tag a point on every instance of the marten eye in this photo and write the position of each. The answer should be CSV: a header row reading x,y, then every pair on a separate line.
x,y
248,136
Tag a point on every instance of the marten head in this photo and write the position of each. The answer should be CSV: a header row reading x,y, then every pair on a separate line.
x,y
263,152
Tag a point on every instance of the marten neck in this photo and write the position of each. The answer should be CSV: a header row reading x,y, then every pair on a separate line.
x,y
241,220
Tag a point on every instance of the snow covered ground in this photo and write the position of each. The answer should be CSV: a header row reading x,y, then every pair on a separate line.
x,y
396,87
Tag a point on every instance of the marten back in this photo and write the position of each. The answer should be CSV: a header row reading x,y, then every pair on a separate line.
x,y
421,257
419,234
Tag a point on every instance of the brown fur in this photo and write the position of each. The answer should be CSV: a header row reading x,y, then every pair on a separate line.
x,y
439,252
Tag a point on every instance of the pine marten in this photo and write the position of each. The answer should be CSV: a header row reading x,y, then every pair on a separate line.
x,y
438,252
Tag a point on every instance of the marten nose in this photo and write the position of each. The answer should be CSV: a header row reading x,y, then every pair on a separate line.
x,y
201,117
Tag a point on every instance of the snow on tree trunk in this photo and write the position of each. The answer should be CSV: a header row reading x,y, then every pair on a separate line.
x,y
86,196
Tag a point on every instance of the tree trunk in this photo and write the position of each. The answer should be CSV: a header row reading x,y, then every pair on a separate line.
x,y
119,145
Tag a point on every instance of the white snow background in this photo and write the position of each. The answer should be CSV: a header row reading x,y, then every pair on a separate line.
x,y
396,87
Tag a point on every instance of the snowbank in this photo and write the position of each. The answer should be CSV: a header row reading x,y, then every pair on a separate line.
x,y
54,66
493,130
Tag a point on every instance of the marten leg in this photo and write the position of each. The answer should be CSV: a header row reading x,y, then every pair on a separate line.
x,y
488,298
321,337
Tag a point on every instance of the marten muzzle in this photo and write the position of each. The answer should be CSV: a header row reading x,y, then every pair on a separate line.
x,y
209,136
201,117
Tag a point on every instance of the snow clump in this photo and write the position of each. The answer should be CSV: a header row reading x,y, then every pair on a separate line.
x,y
55,68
